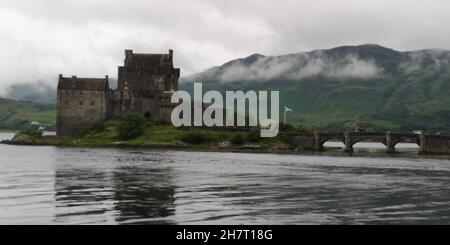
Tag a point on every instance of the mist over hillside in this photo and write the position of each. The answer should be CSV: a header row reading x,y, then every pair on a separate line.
x,y
39,91
347,62
346,87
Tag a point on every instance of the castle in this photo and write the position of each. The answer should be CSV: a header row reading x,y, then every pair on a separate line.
x,y
145,85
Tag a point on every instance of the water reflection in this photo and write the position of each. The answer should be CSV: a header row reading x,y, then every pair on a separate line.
x,y
126,190
82,194
144,195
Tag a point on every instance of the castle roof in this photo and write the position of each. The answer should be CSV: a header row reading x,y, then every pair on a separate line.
x,y
147,60
74,83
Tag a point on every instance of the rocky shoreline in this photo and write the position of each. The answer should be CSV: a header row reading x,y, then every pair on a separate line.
x,y
23,139
226,146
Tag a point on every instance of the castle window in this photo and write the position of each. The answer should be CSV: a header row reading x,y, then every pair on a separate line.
x,y
66,102
92,102
167,86
81,92
81,102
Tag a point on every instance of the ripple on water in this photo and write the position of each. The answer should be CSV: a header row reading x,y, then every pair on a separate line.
x,y
45,185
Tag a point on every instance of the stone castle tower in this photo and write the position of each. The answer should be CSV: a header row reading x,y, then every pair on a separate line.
x,y
145,85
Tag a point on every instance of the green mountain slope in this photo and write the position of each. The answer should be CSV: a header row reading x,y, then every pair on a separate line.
x,y
18,114
347,87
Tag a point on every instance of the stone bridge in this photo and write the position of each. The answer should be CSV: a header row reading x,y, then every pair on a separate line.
x,y
428,144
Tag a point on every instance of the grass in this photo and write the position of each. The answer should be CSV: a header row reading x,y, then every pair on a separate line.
x,y
163,134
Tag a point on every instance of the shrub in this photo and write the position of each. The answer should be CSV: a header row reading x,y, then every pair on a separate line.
x,y
131,126
237,139
184,128
254,136
301,128
286,127
195,138
99,127
34,133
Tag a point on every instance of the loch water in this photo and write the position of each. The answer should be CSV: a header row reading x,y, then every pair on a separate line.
x,y
60,185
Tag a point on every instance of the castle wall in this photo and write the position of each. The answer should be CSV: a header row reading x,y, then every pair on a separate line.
x,y
140,79
119,103
79,110
156,107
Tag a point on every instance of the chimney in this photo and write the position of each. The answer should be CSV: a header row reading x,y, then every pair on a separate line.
x,y
60,76
106,77
170,52
74,76
128,52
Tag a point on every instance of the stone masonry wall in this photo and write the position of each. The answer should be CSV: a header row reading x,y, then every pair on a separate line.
x,y
79,110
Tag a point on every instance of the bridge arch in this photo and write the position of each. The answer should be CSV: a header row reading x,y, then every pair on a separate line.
x,y
352,138
396,138
324,141
322,138
369,146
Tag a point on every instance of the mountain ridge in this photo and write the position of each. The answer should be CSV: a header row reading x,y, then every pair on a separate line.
x,y
348,86
339,49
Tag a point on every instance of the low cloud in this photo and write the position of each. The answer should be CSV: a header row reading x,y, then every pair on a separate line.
x,y
264,68
354,67
432,60
40,39
38,91
301,66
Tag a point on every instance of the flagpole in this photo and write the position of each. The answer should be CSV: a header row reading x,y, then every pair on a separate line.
x,y
284,119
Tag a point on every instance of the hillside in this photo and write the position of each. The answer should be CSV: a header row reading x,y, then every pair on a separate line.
x,y
347,87
18,114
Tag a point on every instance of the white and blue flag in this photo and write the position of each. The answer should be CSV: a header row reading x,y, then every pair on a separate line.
x,y
286,109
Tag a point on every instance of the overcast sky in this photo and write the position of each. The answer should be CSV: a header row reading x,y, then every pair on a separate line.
x,y
40,39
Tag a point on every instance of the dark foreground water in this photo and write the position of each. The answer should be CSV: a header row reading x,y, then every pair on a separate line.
x,y
49,185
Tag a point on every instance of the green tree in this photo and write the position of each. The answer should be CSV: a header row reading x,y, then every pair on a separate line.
x,y
237,139
131,126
